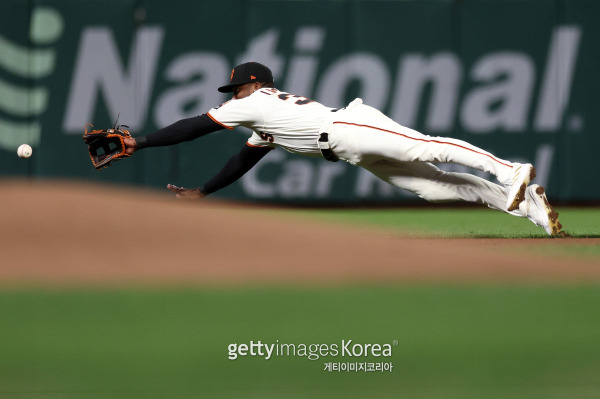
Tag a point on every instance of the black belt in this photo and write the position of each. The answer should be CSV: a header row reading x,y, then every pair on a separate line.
x,y
325,149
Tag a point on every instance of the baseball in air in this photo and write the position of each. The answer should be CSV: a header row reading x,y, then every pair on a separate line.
x,y
24,151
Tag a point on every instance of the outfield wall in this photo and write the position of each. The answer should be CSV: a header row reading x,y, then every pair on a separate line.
x,y
517,78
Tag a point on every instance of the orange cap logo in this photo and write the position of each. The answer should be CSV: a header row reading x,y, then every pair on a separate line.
x,y
252,77
231,77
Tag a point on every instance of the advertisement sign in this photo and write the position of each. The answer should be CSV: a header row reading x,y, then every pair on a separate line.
x,y
514,78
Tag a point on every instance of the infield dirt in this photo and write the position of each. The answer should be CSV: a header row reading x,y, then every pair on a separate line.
x,y
71,233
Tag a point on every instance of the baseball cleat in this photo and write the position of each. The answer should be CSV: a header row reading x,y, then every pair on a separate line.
x,y
539,211
515,188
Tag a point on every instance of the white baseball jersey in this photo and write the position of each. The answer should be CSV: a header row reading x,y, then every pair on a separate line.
x,y
277,119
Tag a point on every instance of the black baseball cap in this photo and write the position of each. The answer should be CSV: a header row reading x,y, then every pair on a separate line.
x,y
248,72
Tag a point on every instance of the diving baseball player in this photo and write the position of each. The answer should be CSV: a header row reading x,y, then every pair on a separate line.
x,y
357,134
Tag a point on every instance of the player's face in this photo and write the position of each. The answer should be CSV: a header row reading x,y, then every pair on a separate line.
x,y
243,91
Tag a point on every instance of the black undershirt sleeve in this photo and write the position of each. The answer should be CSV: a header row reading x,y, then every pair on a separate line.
x,y
180,131
235,168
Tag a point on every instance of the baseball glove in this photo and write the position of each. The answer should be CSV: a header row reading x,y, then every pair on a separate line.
x,y
106,146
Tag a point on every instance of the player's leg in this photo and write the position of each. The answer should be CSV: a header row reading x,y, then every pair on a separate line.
x,y
434,185
378,135
374,136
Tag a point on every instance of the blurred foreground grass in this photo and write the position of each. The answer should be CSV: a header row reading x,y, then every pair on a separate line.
x,y
491,341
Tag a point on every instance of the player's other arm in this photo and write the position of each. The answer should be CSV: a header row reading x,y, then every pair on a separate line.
x,y
180,131
234,169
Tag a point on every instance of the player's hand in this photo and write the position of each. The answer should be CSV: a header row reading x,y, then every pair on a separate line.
x,y
130,145
186,193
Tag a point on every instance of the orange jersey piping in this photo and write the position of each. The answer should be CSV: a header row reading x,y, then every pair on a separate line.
x,y
258,146
216,121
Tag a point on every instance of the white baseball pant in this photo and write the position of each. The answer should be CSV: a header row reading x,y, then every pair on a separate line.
x,y
363,136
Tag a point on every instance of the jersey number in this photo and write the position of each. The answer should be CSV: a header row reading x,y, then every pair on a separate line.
x,y
286,96
267,137
299,100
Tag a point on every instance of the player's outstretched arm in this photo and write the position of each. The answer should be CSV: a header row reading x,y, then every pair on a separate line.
x,y
235,168
180,131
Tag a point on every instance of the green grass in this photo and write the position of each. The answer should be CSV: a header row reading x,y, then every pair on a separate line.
x,y
461,222
488,341
470,223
